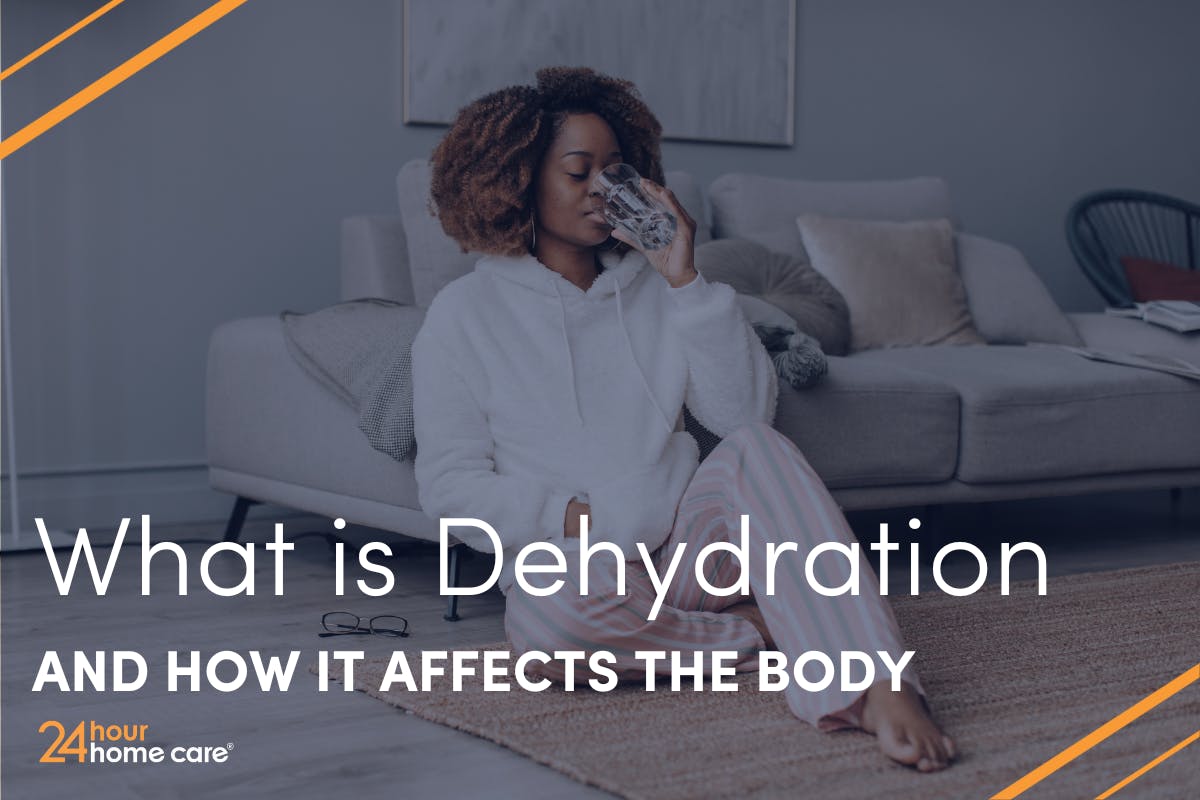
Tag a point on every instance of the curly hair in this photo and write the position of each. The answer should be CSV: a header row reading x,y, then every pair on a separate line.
x,y
485,169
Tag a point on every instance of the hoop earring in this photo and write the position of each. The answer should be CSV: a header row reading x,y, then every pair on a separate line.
x,y
532,234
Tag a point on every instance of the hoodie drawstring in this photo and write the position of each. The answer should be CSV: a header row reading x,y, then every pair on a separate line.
x,y
562,312
637,365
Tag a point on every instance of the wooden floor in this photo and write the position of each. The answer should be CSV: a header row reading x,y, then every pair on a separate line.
x,y
310,744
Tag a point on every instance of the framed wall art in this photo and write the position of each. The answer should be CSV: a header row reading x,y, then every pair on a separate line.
x,y
711,70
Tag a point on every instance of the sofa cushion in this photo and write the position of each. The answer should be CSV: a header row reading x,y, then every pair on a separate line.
x,y
435,259
765,209
374,259
786,282
872,424
1008,301
1040,412
900,279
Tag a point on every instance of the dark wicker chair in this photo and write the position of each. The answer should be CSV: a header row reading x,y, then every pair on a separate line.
x,y
1103,227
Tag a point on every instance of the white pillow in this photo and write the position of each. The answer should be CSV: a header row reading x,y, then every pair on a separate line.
x,y
900,280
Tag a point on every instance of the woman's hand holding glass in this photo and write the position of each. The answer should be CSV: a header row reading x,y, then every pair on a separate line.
x,y
676,261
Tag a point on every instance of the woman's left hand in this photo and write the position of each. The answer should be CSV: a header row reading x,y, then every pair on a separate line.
x,y
676,261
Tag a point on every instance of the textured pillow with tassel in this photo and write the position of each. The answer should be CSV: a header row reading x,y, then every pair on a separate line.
x,y
798,357
784,281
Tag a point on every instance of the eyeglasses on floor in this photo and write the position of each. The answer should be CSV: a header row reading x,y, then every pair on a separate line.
x,y
343,623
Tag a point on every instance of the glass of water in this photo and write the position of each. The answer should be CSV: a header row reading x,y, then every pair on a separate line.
x,y
628,207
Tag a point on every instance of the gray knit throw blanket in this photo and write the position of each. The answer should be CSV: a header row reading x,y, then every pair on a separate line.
x,y
362,351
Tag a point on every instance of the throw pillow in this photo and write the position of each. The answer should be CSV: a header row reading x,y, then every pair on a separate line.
x,y
797,357
784,281
1009,304
900,280
759,312
1154,280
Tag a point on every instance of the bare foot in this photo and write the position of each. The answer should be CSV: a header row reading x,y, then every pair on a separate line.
x,y
906,732
749,610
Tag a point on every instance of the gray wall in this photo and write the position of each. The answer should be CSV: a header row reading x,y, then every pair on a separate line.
x,y
210,186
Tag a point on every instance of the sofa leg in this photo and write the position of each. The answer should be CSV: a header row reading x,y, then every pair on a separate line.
x,y
1176,501
451,614
233,528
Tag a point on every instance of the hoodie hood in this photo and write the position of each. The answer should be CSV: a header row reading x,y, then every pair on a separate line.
x,y
619,272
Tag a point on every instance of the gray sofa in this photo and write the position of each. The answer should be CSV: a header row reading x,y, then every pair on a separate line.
x,y
885,428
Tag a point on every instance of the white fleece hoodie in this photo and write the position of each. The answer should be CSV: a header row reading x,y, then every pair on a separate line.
x,y
528,392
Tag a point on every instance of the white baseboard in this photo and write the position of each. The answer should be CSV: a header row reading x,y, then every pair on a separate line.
x,y
26,540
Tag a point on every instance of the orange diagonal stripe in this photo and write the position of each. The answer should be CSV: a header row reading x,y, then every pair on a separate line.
x,y
62,37
117,76
1097,736
1122,784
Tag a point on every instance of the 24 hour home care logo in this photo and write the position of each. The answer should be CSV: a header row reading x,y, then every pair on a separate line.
x,y
99,742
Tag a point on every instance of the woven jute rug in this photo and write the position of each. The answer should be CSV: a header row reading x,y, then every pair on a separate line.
x,y
1014,679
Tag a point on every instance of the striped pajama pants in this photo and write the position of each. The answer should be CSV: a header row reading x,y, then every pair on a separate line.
x,y
754,471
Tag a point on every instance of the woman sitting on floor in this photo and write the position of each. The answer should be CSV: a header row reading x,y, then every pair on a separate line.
x,y
550,384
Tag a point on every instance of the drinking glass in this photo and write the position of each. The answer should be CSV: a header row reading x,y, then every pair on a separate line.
x,y
628,207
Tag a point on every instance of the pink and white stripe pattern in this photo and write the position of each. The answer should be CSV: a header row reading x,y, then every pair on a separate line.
x,y
754,471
